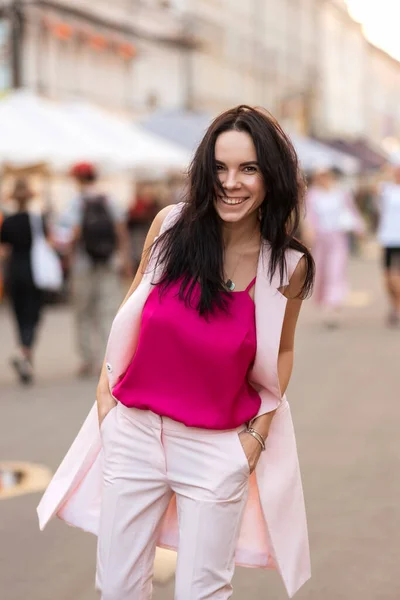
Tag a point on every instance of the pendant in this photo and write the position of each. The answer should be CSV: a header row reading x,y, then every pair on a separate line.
x,y
230,285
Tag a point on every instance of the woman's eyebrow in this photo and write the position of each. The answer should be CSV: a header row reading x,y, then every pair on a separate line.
x,y
243,164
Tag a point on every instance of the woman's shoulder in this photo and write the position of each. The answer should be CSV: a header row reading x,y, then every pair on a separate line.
x,y
16,220
167,216
294,260
14,228
163,220
292,255
163,214
296,265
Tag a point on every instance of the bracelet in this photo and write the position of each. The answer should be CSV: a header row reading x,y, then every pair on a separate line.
x,y
256,436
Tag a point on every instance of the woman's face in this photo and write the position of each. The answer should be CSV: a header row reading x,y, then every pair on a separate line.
x,y
240,176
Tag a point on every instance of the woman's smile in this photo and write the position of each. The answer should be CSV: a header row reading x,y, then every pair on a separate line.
x,y
233,200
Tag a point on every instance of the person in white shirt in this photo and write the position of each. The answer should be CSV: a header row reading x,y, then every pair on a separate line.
x,y
389,238
331,214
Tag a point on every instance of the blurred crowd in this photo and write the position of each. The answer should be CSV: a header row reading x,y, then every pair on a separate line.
x,y
93,243
98,245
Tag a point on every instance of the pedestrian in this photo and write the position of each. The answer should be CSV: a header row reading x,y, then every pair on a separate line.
x,y
331,216
99,251
2,265
141,213
389,238
26,299
187,406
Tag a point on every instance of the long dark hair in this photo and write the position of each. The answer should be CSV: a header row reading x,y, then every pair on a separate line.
x,y
192,250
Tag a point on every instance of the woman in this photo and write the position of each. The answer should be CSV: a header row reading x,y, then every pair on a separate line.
x,y
25,297
214,306
331,215
389,238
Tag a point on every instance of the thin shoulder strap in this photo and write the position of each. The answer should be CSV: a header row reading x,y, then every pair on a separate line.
x,y
252,282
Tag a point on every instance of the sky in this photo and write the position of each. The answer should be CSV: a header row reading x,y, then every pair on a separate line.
x,y
381,22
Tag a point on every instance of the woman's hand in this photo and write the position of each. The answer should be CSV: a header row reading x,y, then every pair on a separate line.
x,y
252,449
105,402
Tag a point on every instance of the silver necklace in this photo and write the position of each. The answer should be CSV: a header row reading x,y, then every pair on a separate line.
x,y
229,283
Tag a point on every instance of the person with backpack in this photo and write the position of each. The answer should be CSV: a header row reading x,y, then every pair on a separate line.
x,y
99,250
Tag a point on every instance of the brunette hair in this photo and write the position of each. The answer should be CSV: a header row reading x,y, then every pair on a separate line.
x,y
192,249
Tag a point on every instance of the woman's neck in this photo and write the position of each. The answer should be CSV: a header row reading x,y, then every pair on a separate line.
x,y
239,234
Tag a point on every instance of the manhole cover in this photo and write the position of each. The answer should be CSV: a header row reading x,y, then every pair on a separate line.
x,y
18,478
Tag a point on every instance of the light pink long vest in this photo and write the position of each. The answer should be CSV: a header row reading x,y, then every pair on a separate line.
x,y
274,530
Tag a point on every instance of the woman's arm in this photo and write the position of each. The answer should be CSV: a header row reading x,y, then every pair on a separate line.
x,y
105,401
261,424
286,347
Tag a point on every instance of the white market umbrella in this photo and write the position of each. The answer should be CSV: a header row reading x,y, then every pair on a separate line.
x,y
135,145
39,128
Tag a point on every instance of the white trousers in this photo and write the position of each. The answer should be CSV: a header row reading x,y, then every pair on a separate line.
x,y
147,459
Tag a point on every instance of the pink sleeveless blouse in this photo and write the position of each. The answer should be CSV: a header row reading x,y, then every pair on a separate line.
x,y
190,368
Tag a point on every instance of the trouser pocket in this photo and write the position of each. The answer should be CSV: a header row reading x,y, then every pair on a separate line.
x,y
240,451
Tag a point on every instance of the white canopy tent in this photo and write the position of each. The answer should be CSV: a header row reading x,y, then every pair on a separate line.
x,y
314,155
38,130
140,147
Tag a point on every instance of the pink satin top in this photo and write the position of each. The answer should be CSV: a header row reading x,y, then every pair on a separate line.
x,y
190,368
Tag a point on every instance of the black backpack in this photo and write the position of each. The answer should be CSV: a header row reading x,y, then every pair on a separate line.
x,y
99,237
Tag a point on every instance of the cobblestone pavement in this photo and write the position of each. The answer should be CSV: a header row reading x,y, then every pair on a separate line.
x,y
345,399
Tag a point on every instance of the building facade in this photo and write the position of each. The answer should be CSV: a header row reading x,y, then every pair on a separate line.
x,y
307,61
382,99
340,108
128,55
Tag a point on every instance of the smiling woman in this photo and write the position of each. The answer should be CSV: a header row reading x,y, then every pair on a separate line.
x,y
197,438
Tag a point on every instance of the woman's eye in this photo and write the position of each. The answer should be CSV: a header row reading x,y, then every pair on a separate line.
x,y
250,169
219,167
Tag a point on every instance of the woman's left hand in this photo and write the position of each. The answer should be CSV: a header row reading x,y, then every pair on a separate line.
x,y
252,449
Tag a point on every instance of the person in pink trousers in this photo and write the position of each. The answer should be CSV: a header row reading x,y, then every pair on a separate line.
x,y
331,214
190,445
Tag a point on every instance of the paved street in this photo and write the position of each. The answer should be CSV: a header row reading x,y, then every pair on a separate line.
x,y
345,399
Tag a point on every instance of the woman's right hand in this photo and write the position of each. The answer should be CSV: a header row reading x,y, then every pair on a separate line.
x,y
105,402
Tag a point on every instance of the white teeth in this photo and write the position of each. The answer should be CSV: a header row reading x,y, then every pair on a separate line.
x,y
232,201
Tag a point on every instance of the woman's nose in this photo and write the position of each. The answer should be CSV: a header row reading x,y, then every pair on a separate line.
x,y
231,180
